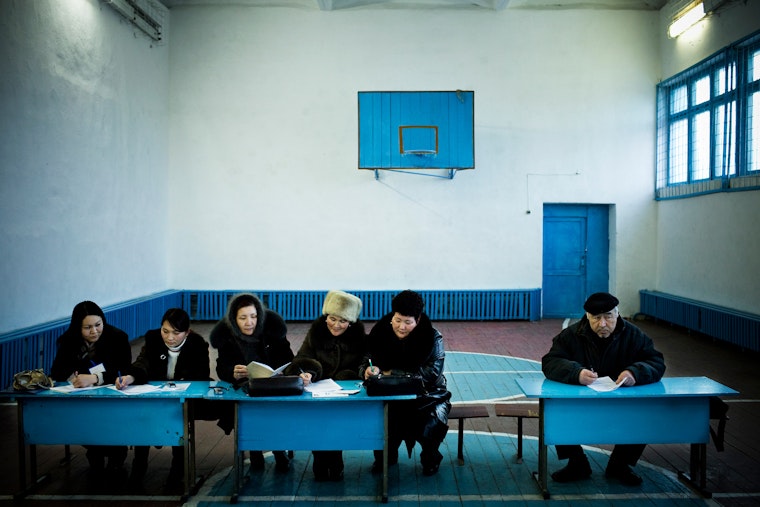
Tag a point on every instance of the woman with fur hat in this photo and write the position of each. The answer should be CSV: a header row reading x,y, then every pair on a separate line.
x,y
333,348
403,342
249,332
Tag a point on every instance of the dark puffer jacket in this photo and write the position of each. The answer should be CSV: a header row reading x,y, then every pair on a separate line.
x,y
269,343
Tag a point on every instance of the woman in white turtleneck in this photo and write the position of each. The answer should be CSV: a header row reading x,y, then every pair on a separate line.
x,y
173,352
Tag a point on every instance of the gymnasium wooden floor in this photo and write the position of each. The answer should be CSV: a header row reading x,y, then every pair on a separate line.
x,y
483,359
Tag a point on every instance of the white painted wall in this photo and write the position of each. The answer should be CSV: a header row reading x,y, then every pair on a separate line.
x,y
264,145
244,175
83,157
708,246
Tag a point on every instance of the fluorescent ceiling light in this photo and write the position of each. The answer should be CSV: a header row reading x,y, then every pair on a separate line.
x,y
687,18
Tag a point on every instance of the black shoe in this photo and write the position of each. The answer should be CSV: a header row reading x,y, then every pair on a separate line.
x,y
624,474
576,470
321,473
175,480
429,470
281,462
377,466
430,458
257,460
335,474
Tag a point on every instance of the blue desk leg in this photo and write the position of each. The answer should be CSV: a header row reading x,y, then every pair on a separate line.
x,y
21,449
541,475
385,452
236,462
189,446
23,489
696,479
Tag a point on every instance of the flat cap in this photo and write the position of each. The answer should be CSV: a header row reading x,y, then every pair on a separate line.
x,y
600,302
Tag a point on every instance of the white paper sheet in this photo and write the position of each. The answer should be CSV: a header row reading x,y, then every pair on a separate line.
x,y
604,384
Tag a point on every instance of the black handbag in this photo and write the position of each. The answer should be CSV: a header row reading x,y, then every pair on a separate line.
x,y
279,385
393,385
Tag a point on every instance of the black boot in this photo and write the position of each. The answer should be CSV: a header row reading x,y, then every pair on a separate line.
x,y
430,457
176,476
139,468
319,466
281,461
577,469
335,465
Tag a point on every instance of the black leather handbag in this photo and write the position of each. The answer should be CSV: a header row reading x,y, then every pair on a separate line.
x,y
393,385
279,385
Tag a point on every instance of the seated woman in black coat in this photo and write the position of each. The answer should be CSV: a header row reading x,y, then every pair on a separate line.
x,y
403,342
91,353
249,332
173,352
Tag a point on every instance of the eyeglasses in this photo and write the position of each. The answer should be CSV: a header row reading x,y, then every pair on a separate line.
x,y
607,317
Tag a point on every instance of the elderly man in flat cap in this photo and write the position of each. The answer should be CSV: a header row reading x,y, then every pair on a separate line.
x,y
602,344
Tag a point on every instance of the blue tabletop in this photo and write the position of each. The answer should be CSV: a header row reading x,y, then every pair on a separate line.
x,y
197,389
668,386
226,392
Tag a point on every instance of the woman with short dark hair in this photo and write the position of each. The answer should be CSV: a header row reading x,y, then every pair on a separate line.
x,y
404,342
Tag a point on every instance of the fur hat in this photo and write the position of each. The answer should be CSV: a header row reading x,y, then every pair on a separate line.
x,y
343,305
600,302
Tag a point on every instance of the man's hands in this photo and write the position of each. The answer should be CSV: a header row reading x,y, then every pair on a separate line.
x,y
587,377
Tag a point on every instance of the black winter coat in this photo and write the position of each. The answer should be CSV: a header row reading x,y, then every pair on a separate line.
x,y
268,345
327,356
112,349
629,348
151,364
420,353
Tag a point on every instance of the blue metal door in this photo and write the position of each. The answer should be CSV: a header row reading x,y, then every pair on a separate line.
x,y
576,257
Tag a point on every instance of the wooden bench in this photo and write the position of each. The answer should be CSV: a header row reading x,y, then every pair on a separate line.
x,y
462,412
521,411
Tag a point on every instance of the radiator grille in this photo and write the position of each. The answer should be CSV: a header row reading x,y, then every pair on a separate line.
x,y
439,305
732,326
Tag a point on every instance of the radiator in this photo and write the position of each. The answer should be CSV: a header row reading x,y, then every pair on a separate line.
x,y
439,305
732,326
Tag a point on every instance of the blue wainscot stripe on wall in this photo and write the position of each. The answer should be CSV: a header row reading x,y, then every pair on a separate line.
x,y
34,347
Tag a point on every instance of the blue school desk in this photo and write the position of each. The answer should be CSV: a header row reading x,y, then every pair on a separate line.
x,y
355,422
673,411
104,416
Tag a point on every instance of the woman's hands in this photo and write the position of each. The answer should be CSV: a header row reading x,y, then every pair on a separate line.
x,y
371,371
240,371
122,382
306,376
87,380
